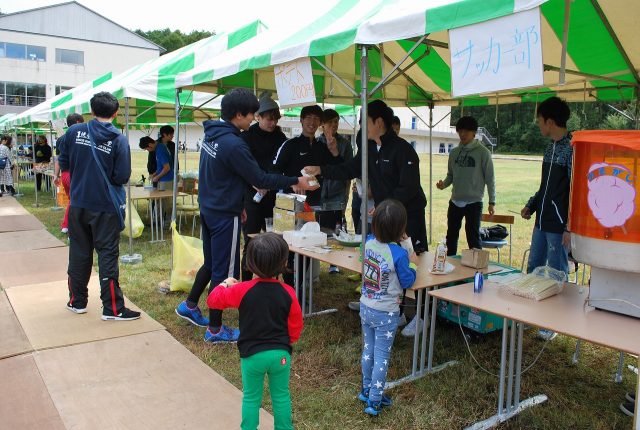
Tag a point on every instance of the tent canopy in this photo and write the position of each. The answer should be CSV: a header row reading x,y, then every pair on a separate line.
x,y
601,61
149,86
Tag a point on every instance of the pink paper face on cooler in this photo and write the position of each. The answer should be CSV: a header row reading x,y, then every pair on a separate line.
x,y
611,194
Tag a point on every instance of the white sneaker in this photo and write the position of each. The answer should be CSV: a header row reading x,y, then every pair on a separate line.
x,y
65,230
413,328
402,320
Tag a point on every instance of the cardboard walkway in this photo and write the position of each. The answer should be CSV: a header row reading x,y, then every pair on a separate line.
x,y
87,373
25,402
42,313
19,223
33,267
14,341
28,239
139,382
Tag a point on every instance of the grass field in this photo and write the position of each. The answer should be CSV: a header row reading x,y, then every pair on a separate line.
x,y
326,372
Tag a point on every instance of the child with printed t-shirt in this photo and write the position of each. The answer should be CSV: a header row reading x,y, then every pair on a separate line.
x,y
388,270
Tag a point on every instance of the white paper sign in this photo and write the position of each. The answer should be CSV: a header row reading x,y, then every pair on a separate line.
x,y
294,83
495,55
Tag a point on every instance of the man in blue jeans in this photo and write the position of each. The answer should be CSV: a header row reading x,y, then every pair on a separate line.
x,y
551,239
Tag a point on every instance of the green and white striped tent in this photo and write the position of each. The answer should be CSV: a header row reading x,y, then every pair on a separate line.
x,y
150,87
602,60
41,113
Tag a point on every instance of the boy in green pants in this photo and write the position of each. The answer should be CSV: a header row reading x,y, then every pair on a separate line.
x,y
270,321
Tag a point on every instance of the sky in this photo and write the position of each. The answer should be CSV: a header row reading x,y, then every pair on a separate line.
x,y
212,15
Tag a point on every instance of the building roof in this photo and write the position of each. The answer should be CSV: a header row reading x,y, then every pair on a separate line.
x,y
75,21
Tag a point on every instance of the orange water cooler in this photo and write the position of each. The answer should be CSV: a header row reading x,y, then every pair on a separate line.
x,y
604,216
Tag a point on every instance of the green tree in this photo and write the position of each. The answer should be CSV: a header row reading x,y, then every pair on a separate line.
x,y
173,39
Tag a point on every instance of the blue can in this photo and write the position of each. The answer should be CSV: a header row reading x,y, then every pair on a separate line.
x,y
478,280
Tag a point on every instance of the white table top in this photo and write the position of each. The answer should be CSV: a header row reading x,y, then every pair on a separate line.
x,y
564,313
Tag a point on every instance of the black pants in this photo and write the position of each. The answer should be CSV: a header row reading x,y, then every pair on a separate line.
x,y
256,214
47,182
417,230
329,219
90,230
472,214
356,209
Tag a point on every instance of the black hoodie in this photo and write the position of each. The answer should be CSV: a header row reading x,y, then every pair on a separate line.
x,y
227,168
394,172
88,187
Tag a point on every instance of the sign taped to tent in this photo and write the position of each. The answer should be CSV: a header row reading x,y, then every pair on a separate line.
x,y
499,54
294,83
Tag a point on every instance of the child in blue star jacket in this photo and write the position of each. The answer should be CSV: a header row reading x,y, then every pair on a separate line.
x,y
270,321
388,270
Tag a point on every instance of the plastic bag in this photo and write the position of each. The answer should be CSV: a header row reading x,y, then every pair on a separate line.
x,y
61,197
137,225
187,259
543,282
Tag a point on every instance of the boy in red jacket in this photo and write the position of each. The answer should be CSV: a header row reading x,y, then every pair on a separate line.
x,y
270,321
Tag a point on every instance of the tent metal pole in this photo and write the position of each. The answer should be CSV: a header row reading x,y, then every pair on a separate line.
x,y
397,65
55,199
364,144
129,258
18,193
33,153
175,175
565,39
342,81
430,240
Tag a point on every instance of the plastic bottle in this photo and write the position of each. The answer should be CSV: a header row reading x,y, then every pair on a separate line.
x,y
440,258
257,197
478,280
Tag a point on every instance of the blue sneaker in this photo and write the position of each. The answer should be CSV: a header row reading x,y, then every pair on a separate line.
x,y
194,316
226,334
373,408
364,397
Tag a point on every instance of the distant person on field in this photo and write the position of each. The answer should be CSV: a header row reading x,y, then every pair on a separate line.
x,y
61,173
270,322
6,174
469,170
96,216
43,155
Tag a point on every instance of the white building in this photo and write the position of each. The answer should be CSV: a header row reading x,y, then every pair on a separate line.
x,y
48,50
413,129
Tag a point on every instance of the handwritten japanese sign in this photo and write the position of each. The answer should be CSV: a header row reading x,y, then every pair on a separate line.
x,y
294,83
495,55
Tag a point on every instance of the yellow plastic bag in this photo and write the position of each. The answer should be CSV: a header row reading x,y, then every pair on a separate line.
x,y
137,225
187,259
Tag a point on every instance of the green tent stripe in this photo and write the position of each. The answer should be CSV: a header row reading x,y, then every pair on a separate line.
x,y
243,34
256,62
432,65
465,13
62,100
167,77
141,116
333,43
339,10
599,55
102,79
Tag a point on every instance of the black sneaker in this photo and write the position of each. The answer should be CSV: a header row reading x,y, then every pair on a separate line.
x,y
627,408
631,396
75,309
124,315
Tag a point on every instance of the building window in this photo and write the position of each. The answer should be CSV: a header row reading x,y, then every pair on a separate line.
x,y
21,94
414,122
20,51
62,89
441,149
67,56
450,148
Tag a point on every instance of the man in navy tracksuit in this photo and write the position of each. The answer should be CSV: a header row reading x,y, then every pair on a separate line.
x,y
226,169
96,215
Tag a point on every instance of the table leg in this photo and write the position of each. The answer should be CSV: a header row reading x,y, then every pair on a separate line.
x,y
512,342
161,215
310,312
618,378
422,341
54,192
512,408
296,274
304,285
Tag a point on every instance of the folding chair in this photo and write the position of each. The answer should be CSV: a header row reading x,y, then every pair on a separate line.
x,y
498,244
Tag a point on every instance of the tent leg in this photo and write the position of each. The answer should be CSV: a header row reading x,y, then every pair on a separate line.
x,y
364,95
129,258
53,186
33,153
430,239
